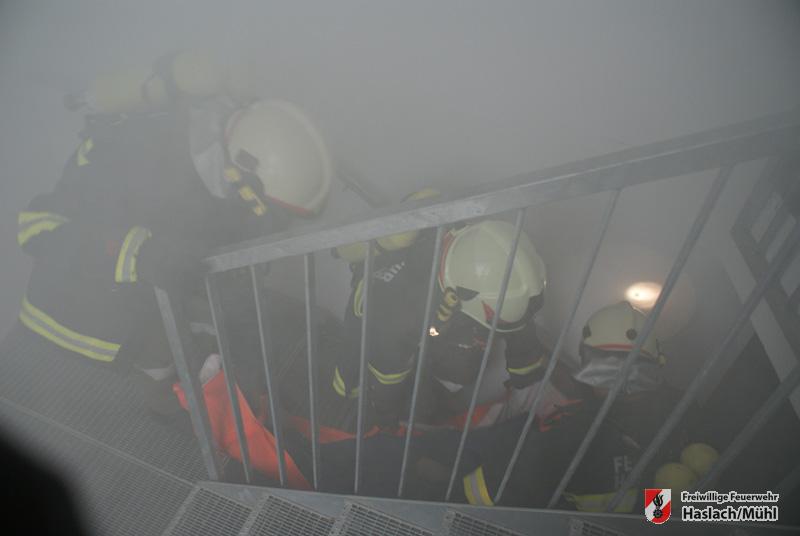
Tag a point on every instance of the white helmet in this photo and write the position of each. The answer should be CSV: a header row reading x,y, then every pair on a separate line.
x,y
607,337
278,143
614,328
473,264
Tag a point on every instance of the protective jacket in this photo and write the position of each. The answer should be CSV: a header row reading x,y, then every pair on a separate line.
x,y
456,343
549,448
130,187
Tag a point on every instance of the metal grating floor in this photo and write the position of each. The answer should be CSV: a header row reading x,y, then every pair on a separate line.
x,y
91,400
357,520
277,517
457,524
113,491
206,513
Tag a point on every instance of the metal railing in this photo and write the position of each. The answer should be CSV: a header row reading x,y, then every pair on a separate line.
x,y
774,208
722,149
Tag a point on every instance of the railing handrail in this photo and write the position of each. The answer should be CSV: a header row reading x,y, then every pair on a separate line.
x,y
721,148
712,148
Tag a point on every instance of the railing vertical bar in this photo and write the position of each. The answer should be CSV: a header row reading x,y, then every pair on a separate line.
x,y
672,278
556,354
265,337
488,350
362,365
180,345
311,346
759,419
228,371
774,271
423,347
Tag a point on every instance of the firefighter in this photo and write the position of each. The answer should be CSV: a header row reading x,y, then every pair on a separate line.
x,y
473,262
633,421
147,194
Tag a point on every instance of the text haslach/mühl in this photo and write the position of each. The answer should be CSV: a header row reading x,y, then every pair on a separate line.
x,y
730,513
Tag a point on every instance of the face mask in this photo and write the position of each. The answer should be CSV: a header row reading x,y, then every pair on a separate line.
x,y
603,371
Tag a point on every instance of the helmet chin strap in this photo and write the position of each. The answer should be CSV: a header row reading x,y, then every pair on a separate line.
x,y
247,187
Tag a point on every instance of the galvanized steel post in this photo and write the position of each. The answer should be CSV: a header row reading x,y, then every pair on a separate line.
x,y
311,347
265,337
487,351
175,326
556,354
423,347
362,365
217,316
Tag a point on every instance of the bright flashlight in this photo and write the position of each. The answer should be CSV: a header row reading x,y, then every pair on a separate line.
x,y
643,295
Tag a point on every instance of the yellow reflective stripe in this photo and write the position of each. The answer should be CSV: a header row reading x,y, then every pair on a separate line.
x,y
338,383
33,229
339,389
36,328
232,174
449,301
358,305
42,324
527,370
388,379
249,195
475,488
468,491
598,502
27,216
339,386
83,150
125,271
443,313
32,223
65,331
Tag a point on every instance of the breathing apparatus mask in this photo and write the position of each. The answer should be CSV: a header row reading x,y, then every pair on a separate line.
x,y
600,368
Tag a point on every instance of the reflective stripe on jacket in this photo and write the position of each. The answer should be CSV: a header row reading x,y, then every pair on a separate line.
x,y
475,488
125,271
43,324
30,224
84,293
